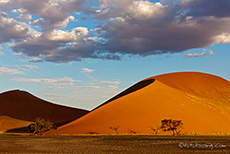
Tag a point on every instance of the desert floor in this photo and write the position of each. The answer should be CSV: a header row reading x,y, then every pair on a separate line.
x,y
97,144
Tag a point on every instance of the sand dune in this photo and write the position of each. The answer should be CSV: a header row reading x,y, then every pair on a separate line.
x,y
8,123
201,101
22,105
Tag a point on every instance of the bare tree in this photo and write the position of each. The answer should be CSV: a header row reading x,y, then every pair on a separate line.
x,y
172,125
40,126
115,129
132,132
155,130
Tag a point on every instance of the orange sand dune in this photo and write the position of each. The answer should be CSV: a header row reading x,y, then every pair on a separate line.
x,y
201,101
8,123
24,106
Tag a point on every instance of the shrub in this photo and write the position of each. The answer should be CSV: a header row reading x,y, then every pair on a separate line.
x,y
155,130
172,125
40,126
115,129
132,132
92,132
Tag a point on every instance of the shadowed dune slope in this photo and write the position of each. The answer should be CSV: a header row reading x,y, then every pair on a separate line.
x,y
133,88
24,106
201,101
7,123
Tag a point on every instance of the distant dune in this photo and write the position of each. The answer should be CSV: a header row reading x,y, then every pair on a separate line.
x,y
8,123
201,101
22,105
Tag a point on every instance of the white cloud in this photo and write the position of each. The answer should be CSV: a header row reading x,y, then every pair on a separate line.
x,y
87,70
28,67
8,71
59,83
35,60
223,38
10,29
55,83
26,17
23,15
42,22
190,55
54,95
65,36
196,54
18,54
53,44
112,87
103,85
60,35
63,24
144,10
54,87
85,87
19,11
81,30
54,13
109,82
4,1
210,52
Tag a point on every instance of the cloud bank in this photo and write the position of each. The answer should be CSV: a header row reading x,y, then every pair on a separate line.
x,y
131,27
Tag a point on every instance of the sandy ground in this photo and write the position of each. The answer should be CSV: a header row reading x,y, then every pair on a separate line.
x,y
105,144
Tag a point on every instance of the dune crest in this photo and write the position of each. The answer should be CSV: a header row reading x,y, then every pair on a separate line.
x,y
22,105
200,100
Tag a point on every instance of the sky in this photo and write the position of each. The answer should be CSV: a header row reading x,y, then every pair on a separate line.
x,y
80,53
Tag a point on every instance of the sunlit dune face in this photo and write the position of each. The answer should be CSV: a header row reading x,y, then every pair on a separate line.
x,y
198,84
200,100
7,123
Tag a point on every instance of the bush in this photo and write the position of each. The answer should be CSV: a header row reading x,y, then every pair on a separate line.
x,y
155,130
40,126
92,132
172,125
132,132
115,129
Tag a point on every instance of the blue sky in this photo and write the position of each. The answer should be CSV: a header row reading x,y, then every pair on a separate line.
x,y
80,53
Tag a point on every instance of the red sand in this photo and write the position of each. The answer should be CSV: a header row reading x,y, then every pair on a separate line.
x,y
8,123
201,101
24,106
